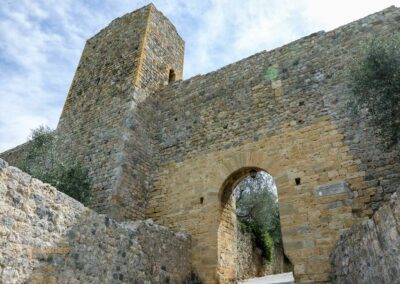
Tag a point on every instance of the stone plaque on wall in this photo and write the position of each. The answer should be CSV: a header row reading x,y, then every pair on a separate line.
x,y
331,189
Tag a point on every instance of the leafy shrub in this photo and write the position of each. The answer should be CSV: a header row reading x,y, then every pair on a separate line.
x,y
41,162
262,238
70,178
258,212
375,86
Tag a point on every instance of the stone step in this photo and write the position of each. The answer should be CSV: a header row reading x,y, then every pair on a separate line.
x,y
283,278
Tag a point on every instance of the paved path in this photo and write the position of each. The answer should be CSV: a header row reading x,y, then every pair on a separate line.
x,y
284,278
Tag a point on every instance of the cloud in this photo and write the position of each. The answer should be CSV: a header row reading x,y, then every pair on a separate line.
x,y
41,42
231,30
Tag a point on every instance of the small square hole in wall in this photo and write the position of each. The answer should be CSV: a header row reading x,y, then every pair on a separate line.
x,y
297,181
301,103
201,200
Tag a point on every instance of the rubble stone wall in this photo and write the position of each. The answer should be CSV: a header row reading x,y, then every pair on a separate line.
x,y
48,237
249,260
369,252
250,263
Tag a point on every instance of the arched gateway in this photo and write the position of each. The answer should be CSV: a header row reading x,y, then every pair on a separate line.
x,y
165,150
195,196
171,150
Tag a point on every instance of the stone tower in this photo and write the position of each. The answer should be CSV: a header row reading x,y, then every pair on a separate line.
x,y
120,66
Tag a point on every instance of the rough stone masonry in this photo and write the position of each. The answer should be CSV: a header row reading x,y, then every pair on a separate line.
x,y
48,237
369,252
173,151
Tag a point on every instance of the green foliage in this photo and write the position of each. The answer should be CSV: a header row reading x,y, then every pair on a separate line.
x,y
70,178
375,85
258,212
41,162
262,238
41,145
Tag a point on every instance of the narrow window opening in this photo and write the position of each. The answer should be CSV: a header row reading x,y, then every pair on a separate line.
x,y
298,181
172,76
201,200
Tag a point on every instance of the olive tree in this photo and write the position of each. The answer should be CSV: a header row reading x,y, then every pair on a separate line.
x,y
42,162
375,86
257,210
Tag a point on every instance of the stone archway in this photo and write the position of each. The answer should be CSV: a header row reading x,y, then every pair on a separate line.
x,y
228,225
187,197
231,264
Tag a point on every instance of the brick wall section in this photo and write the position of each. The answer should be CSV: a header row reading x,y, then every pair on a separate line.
x,y
369,252
48,237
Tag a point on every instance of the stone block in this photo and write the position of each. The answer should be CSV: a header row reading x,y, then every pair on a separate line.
x,y
331,189
3,164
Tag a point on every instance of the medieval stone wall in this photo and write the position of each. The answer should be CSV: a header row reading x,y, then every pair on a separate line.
x,y
281,111
240,103
48,237
119,67
16,155
98,101
369,252
162,51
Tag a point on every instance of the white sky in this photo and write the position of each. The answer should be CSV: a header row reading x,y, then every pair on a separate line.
x,y
41,42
